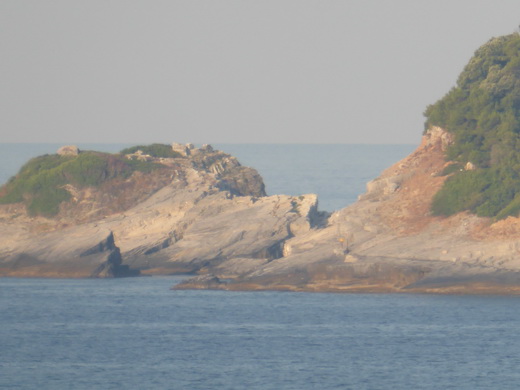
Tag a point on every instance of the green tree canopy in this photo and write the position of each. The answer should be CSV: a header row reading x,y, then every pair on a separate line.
x,y
483,113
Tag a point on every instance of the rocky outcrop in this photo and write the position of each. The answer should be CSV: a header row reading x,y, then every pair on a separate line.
x,y
202,212
68,150
206,230
183,149
211,218
73,252
389,242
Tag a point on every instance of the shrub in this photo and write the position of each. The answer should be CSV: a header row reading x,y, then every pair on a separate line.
x,y
39,183
154,150
483,112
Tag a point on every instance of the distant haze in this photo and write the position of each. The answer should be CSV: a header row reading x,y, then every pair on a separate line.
x,y
299,71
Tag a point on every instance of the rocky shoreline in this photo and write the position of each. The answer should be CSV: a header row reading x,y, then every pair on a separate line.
x,y
212,219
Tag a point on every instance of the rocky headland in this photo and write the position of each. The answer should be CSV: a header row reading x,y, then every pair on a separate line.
x,y
442,220
200,211
214,221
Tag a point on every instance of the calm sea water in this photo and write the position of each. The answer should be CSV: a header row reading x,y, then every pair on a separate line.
x,y
136,333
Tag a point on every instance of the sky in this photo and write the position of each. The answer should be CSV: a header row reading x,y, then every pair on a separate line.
x,y
222,71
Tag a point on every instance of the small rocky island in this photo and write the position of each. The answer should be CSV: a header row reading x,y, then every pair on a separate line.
x,y
442,220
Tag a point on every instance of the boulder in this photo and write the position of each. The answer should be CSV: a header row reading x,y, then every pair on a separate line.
x,y
182,149
68,150
470,166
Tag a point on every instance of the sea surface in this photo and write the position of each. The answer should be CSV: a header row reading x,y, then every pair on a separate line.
x,y
136,333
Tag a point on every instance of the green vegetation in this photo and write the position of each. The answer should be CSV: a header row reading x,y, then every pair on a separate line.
x,y
452,168
483,113
40,182
154,150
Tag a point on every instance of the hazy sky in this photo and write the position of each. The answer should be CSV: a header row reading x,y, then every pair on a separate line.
x,y
298,71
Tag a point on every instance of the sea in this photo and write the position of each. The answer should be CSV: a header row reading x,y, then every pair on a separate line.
x,y
137,333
